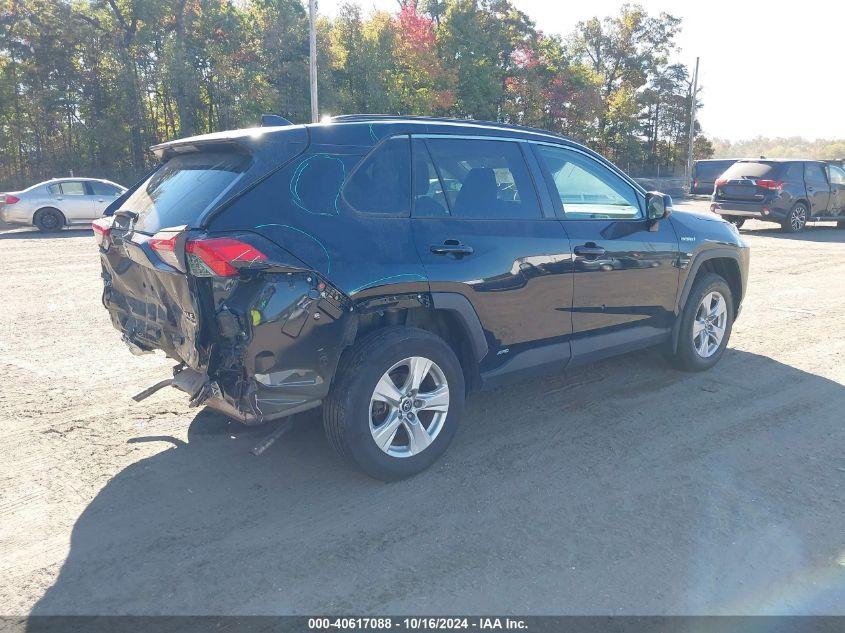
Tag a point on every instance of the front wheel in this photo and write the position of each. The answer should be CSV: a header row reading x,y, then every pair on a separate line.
x,y
395,403
797,218
706,323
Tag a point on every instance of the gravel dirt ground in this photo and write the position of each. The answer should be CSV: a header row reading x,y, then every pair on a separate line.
x,y
625,487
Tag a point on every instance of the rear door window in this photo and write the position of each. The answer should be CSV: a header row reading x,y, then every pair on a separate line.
x,y
183,188
73,188
814,172
484,179
381,183
429,197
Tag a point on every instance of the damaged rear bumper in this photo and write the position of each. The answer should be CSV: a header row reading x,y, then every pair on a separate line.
x,y
203,391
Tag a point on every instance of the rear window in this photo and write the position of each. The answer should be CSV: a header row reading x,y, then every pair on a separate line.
x,y
711,170
183,188
751,170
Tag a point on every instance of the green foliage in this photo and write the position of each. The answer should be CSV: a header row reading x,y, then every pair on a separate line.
x,y
88,85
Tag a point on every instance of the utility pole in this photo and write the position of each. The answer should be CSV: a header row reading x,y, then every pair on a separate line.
x,y
693,99
312,65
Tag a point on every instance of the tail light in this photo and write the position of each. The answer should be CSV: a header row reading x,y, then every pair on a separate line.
x,y
220,256
695,183
777,185
102,229
11,199
164,244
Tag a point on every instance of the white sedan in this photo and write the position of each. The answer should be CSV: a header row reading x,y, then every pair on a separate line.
x,y
60,202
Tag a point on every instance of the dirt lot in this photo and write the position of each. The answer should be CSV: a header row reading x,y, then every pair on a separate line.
x,y
623,487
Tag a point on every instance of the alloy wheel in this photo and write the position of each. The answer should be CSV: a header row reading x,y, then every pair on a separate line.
x,y
798,218
409,406
708,327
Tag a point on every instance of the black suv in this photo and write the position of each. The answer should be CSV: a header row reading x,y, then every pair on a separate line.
x,y
384,266
706,172
789,192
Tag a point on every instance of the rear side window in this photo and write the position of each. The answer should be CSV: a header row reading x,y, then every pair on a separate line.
x,y
814,172
382,181
794,173
484,179
183,188
751,169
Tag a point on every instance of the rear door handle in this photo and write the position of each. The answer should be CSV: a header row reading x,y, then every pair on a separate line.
x,y
451,247
589,251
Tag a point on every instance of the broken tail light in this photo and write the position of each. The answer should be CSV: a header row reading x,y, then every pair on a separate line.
x,y
221,256
102,229
164,245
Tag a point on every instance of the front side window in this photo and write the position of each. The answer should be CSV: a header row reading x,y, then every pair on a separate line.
x,y
484,179
837,175
381,183
103,189
73,188
588,190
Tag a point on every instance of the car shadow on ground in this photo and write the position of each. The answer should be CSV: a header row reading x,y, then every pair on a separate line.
x,y
812,233
623,487
35,234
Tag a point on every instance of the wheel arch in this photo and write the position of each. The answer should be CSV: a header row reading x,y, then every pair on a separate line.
x,y
721,261
49,208
449,316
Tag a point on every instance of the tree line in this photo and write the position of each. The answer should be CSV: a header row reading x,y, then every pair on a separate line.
x,y
789,147
86,86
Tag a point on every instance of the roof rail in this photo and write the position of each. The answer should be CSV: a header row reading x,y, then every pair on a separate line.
x,y
351,118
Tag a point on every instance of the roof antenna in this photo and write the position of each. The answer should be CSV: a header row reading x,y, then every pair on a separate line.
x,y
273,120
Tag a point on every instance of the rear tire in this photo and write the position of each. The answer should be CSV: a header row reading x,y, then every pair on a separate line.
x,y
49,219
698,348
413,429
797,218
840,224
737,222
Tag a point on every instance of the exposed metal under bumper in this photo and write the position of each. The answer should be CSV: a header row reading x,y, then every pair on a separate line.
x,y
197,386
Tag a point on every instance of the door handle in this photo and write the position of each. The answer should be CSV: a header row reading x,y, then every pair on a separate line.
x,y
451,247
589,250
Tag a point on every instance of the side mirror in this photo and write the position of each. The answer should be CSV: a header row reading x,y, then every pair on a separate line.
x,y
658,205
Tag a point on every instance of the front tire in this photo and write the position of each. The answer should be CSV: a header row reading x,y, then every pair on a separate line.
x,y
796,219
395,403
706,324
48,220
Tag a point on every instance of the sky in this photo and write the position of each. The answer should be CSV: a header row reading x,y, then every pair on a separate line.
x,y
767,68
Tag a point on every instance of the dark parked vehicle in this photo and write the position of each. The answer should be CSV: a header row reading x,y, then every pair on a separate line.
x,y
384,266
705,172
789,192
